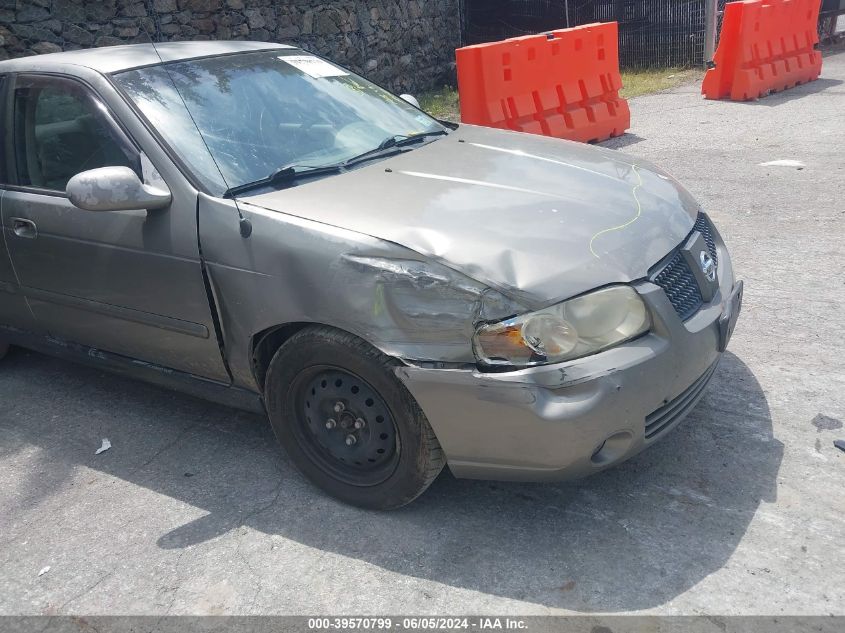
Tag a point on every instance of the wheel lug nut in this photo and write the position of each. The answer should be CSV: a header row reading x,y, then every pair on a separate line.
x,y
350,440
330,424
338,407
360,424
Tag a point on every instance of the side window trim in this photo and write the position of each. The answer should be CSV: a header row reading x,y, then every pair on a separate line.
x,y
6,144
123,138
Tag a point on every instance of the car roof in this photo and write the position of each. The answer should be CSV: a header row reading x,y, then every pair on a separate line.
x,y
112,59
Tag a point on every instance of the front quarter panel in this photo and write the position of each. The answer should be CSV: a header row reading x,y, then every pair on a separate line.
x,y
290,270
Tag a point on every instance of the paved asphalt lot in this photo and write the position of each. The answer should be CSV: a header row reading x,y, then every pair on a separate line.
x,y
741,510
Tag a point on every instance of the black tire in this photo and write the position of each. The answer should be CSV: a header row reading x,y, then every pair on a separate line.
x,y
4,349
315,368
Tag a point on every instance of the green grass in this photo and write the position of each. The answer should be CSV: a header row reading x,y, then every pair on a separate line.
x,y
443,103
642,82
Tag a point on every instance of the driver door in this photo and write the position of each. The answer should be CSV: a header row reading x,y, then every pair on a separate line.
x,y
128,282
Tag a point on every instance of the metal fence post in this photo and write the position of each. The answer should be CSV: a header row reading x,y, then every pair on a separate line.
x,y
711,12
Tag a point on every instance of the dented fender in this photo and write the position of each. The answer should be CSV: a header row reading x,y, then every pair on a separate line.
x,y
292,270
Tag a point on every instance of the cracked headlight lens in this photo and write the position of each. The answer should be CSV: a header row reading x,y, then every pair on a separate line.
x,y
578,327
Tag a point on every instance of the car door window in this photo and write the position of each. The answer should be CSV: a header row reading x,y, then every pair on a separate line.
x,y
61,130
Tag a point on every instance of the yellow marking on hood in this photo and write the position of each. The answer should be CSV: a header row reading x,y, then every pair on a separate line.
x,y
629,222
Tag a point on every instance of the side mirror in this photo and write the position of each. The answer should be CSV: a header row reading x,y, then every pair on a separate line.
x,y
412,100
114,189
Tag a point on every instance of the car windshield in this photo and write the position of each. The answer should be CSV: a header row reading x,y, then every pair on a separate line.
x,y
245,116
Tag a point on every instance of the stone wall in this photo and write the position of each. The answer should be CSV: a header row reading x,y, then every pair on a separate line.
x,y
405,45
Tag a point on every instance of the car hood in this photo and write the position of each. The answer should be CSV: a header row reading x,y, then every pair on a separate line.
x,y
539,219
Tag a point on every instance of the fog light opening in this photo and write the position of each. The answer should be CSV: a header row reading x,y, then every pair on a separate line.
x,y
613,449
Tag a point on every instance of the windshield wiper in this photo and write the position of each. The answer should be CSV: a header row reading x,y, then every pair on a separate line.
x,y
292,173
389,146
284,175
400,140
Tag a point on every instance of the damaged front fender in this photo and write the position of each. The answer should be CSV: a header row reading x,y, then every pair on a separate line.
x,y
410,303
292,270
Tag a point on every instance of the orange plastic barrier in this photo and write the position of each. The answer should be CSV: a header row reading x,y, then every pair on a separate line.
x,y
765,46
564,84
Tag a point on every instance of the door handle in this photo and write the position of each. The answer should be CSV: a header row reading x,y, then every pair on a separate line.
x,y
24,228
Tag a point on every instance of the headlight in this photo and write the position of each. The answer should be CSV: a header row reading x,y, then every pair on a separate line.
x,y
572,329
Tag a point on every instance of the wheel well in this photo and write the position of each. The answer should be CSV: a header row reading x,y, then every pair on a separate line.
x,y
266,343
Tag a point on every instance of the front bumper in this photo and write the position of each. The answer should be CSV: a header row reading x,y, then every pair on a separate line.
x,y
573,419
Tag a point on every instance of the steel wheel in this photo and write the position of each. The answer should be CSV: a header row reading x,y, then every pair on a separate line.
x,y
345,426
347,421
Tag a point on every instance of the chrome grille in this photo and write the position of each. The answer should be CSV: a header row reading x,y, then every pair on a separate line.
x,y
678,281
703,226
680,287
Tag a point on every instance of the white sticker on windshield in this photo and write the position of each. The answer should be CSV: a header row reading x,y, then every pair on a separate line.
x,y
313,66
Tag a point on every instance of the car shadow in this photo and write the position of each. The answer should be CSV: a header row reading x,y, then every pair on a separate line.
x,y
631,538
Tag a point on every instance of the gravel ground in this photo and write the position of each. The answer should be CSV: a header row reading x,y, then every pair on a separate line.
x,y
740,511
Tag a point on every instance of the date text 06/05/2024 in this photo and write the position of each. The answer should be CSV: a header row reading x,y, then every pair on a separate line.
x,y
415,624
